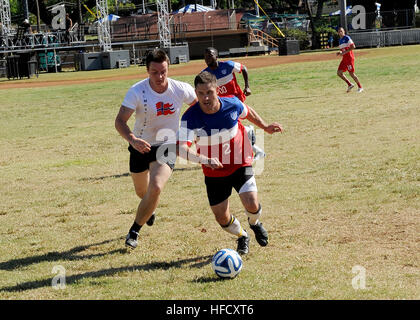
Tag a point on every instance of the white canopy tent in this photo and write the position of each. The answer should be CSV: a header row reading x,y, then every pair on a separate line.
x,y
193,8
110,18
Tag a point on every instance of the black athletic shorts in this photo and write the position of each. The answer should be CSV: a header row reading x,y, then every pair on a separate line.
x,y
220,188
164,154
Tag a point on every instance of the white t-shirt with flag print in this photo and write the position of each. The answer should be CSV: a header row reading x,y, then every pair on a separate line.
x,y
157,114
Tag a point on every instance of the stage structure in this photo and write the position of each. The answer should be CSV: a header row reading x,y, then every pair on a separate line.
x,y
5,20
163,23
104,34
42,50
5,17
177,53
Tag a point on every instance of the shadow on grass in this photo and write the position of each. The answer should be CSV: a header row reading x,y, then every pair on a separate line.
x,y
210,279
127,174
303,97
114,176
70,255
188,169
197,262
74,254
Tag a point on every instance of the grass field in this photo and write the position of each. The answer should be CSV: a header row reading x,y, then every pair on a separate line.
x,y
340,189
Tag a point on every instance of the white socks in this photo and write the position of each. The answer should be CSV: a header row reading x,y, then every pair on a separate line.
x,y
253,217
234,227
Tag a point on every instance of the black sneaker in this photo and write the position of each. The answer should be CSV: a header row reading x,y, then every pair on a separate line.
x,y
131,239
243,245
261,235
151,220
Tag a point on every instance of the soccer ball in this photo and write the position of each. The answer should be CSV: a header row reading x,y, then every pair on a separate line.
x,y
227,263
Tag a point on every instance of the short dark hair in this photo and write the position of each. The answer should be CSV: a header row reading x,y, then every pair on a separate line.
x,y
210,50
205,77
156,55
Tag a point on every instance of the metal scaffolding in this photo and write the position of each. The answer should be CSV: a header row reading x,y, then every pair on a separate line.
x,y
163,23
5,18
104,34
14,38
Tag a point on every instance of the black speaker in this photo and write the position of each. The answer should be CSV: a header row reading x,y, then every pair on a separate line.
x,y
288,47
12,66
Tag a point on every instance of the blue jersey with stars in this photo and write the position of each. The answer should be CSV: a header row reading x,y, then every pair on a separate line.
x,y
344,44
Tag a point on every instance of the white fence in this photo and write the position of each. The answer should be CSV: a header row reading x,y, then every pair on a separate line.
x,y
386,38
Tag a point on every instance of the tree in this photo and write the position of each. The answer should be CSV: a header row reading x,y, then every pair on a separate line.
x,y
45,14
320,6
312,24
295,5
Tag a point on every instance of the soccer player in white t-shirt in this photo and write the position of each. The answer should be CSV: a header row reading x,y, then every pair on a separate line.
x,y
156,102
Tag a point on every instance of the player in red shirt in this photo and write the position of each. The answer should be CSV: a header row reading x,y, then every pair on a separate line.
x,y
347,63
225,75
225,153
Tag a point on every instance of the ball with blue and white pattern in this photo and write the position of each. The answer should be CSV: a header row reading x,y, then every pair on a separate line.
x,y
227,263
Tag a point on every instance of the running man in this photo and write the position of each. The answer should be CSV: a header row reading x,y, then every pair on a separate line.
x,y
224,71
347,63
157,102
225,152
228,86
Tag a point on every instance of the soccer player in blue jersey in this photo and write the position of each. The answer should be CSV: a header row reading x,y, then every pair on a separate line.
x,y
225,74
225,152
227,85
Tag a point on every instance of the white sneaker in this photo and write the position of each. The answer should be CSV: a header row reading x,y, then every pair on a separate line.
x,y
360,90
350,87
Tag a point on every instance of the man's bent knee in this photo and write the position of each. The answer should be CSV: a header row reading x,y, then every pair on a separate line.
x,y
140,193
252,206
155,189
223,220
250,202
